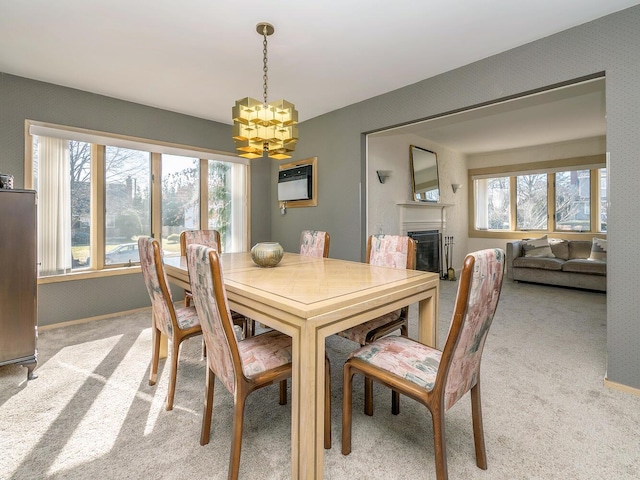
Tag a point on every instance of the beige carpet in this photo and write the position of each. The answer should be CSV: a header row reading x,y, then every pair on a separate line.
x,y
91,414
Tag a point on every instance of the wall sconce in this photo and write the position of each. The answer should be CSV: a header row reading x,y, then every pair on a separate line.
x,y
455,187
283,208
383,175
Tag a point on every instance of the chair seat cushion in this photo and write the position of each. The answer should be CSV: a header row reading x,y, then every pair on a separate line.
x,y
403,357
264,352
359,332
187,317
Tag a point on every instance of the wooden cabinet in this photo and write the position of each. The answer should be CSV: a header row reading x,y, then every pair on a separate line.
x,y
18,279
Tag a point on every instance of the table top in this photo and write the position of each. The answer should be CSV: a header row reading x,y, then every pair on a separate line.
x,y
308,283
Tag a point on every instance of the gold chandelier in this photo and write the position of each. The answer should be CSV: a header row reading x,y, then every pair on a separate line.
x,y
260,127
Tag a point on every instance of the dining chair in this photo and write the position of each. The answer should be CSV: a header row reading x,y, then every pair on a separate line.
x,y
177,324
438,379
387,251
314,243
241,366
211,238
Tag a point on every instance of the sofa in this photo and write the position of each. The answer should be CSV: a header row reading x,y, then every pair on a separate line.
x,y
569,263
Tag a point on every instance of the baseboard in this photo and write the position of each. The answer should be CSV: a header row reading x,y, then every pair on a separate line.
x,y
89,319
621,387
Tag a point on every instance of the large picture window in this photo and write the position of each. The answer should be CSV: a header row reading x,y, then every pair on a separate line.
x,y
564,196
97,196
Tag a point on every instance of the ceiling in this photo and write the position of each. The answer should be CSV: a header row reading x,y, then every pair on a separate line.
x,y
563,114
199,57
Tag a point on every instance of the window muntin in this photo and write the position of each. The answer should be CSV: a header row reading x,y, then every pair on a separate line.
x,y
531,202
127,202
573,200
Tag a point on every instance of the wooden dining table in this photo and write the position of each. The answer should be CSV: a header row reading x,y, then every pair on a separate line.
x,y
310,299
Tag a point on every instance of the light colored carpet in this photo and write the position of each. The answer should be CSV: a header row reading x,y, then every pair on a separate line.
x,y
92,415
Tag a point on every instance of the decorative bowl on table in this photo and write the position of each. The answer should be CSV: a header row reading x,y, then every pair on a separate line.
x,y
267,254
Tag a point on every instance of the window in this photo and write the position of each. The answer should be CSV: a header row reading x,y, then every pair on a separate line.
x,y
573,200
604,189
492,203
96,197
180,199
531,204
128,203
568,195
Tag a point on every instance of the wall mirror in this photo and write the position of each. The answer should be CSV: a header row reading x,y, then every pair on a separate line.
x,y
424,174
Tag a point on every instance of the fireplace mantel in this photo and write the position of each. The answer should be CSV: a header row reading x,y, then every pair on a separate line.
x,y
415,216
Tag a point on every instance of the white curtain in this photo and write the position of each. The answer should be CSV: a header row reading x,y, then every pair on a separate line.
x,y
54,206
239,208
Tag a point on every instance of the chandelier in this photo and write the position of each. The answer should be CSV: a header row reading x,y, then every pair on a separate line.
x,y
260,127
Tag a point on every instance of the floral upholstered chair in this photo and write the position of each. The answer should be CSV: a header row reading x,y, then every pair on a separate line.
x,y
314,243
211,239
385,251
438,379
177,324
241,366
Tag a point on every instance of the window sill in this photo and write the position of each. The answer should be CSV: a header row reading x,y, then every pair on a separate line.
x,y
520,234
89,274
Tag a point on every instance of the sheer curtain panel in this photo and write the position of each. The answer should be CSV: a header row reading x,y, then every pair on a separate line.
x,y
54,206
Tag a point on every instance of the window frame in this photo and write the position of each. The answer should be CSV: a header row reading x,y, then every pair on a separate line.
x,y
99,141
590,162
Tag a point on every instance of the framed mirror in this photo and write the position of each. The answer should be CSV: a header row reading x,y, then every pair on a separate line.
x,y
423,164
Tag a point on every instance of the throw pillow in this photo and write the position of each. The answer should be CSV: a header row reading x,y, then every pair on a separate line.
x,y
537,247
598,249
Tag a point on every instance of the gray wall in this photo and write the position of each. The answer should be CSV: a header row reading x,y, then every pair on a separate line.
x,y
610,44
22,99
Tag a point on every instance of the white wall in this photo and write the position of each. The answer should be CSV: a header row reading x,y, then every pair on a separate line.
x,y
392,153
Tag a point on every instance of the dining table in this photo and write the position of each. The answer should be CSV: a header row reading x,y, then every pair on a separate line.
x,y
310,299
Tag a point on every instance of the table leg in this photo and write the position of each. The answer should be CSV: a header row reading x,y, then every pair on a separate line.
x,y
307,434
428,319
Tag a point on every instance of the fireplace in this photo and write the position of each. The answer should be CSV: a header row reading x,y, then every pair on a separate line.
x,y
428,247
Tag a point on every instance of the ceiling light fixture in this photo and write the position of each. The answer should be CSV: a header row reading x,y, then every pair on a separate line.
x,y
260,127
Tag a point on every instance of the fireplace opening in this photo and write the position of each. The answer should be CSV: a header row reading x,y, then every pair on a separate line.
x,y
428,247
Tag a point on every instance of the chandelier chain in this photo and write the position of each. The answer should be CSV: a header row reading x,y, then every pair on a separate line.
x,y
264,61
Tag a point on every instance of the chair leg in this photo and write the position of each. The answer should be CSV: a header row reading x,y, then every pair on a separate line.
x,y
368,396
251,327
236,445
478,429
205,431
204,349
155,354
283,392
327,403
439,443
347,401
395,402
175,351
395,396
